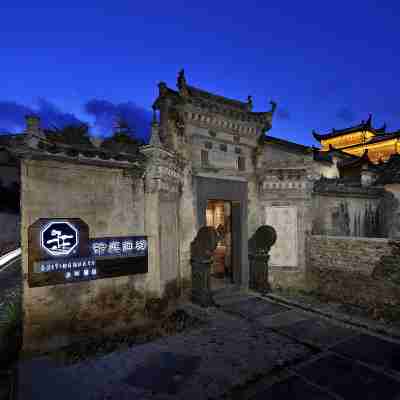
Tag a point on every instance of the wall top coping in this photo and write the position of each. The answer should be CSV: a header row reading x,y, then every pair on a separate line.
x,y
228,177
352,238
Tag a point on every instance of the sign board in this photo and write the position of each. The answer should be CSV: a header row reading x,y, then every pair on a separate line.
x,y
55,241
59,251
118,256
129,246
74,269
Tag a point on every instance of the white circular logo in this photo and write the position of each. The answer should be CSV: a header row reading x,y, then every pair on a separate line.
x,y
59,238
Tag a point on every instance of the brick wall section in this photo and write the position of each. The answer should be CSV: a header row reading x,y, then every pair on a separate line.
x,y
345,269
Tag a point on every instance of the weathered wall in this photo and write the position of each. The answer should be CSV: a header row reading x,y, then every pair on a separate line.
x,y
276,153
111,203
360,271
391,211
285,204
187,224
337,215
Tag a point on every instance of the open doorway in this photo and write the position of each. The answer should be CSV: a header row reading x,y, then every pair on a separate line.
x,y
219,216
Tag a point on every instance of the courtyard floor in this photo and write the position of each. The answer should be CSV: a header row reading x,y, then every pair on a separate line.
x,y
251,347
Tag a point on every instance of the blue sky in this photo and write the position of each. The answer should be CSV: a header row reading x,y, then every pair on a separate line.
x,y
326,64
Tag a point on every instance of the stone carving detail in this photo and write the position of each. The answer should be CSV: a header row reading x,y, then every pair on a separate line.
x,y
201,258
165,172
259,245
284,219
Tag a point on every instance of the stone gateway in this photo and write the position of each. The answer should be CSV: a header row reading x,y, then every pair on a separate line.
x,y
209,163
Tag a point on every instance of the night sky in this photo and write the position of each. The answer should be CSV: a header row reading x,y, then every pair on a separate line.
x,y
327,64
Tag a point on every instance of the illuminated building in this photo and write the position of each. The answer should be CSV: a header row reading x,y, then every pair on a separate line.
x,y
357,139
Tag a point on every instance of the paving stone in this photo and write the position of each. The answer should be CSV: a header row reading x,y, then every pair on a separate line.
x,y
254,308
317,332
164,372
284,318
371,349
350,379
225,299
293,388
233,351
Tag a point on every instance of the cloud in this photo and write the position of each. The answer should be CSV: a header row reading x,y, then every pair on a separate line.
x,y
346,114
51,115
12,115
105,113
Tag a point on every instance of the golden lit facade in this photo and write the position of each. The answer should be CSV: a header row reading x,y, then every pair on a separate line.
x,y
357,139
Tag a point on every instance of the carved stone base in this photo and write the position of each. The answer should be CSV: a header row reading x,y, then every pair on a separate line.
x,y
259,273
201,293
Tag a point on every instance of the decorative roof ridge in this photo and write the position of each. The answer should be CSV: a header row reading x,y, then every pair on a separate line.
x,y
359,160
390,171
345,186
197,92
364,125
333,149
289,143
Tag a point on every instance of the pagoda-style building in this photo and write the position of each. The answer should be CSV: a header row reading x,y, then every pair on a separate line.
x,y
358,139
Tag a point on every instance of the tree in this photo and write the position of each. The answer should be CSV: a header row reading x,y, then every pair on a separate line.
x,y
70,134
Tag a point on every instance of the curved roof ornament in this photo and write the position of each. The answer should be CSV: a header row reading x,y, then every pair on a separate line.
x,y
249,102
181,83
273,106
368,122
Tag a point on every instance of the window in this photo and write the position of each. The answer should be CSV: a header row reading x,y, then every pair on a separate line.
x,y
223,147
238,150
208,145
204,157
241,163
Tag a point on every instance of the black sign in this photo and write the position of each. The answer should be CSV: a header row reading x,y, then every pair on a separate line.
x,y
55,242
128,246
60,251
59,239
118,256
74,269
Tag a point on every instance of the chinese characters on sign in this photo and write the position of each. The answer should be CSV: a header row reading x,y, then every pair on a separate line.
x,y
60,251
132,246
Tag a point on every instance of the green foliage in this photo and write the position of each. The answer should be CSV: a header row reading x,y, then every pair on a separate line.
x,y
11,333
13,317
71,134
122,141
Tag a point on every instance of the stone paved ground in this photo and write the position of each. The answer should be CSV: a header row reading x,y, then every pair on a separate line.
x,y
252,348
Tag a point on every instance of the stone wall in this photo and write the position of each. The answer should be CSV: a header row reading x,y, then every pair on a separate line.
x,y
391,211
112,203
284,203
359,271
342,210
